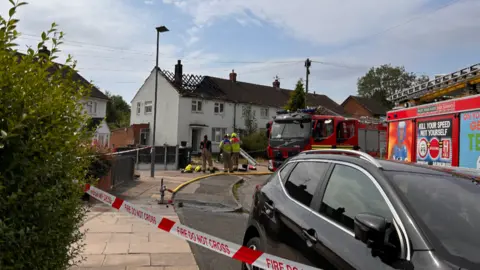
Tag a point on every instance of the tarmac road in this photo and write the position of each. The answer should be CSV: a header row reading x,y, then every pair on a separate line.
x,y
213,218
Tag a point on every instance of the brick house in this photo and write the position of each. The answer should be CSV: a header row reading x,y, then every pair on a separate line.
x,y
129,136
361,106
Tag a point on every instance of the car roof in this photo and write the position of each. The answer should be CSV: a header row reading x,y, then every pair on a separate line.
x,y
399,166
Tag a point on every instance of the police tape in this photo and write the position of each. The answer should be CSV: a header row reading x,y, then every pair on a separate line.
x,y
122,152
229,249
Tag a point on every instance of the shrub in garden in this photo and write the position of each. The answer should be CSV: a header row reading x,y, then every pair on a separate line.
x,y
255,143
43,154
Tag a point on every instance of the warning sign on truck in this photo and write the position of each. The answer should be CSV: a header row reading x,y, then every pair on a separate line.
x,y
434,142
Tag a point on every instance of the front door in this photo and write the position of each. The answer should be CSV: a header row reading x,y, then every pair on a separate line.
x,y
195,139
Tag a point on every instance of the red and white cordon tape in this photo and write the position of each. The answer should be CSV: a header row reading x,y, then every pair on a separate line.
x,y
232,250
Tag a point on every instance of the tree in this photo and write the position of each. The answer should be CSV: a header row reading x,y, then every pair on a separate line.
x,y
43,154
381,82
297,97
118,111
250,119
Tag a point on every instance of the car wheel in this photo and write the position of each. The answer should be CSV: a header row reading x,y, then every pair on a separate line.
x,y
254,244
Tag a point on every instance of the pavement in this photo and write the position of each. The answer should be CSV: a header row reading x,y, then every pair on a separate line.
x,y
116,240
210,206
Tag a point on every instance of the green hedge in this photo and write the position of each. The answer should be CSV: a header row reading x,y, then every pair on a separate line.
x,y
43,157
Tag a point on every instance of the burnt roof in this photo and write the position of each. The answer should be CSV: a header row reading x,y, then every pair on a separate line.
x,y
95,92
373,106
208,87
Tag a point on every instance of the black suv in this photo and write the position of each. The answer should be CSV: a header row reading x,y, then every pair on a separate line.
x,y
343,209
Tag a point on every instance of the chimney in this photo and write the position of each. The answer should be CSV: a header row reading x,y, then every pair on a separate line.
x,y
178,73
233,76
44,52
276,83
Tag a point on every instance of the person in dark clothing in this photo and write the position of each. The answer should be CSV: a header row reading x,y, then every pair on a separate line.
x,y
206,147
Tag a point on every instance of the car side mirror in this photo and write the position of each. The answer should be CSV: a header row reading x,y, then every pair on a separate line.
x,y
370,229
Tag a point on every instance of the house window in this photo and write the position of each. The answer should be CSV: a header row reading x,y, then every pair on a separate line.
x,y
138,107
196,105
217,134
144,136
264,112
91,107
218,108
148,107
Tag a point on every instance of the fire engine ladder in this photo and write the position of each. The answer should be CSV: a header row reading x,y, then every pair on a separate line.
x,y
439,86
249,158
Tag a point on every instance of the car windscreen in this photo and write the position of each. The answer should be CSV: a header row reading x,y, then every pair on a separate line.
x,y
290,129
446,206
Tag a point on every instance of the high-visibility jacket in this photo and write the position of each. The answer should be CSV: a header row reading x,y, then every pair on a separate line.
x,y
235,145
225,146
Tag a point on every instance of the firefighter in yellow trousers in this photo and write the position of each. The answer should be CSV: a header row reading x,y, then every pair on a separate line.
x,y
235,150
226,148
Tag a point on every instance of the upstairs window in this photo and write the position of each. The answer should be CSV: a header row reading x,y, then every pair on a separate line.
x,y
91,107
148,107
218,108
264,112
197,106
138,107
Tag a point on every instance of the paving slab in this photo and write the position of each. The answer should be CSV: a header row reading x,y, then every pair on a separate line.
x,y
127,260
172,259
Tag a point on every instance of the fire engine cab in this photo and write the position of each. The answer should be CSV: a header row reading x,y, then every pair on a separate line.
x,y
438,122
290,133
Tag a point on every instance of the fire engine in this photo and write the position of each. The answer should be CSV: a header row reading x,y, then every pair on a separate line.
x,y
438,122
290,133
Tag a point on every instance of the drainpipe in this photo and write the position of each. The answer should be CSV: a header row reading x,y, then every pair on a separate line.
x,y
234,116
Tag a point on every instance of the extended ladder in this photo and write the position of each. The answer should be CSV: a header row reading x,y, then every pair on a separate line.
x,y
447,83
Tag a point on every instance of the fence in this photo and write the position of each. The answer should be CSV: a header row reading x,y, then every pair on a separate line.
x,y
167,157
123,170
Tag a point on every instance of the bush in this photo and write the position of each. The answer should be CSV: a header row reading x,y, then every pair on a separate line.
x,y
255,143
43,155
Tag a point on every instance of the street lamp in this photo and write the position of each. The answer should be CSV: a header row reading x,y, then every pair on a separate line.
x,y
160,29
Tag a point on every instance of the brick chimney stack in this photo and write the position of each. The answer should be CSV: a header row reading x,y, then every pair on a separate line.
x,y
233,76
178,73
276,83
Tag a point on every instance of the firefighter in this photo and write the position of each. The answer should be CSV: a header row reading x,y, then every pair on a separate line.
x,y
226,148
206,147
235,150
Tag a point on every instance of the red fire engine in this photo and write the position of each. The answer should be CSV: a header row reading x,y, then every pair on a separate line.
x,y
290,133
444,133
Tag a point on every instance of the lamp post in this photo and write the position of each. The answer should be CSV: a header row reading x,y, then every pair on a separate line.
x,y
160,29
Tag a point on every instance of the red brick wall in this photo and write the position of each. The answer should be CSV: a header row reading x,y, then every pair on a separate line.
x,y
121,137
356,109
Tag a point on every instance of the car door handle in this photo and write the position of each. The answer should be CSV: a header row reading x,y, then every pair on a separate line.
x,y
309,235
268,208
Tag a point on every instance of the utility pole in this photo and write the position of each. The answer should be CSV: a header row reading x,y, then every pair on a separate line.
x,y
308,63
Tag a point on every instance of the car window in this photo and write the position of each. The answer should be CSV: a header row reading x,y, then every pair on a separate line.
x,y
446,207
350,192
304,180
286,170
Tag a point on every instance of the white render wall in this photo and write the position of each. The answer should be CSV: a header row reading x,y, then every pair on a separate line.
x,y
167,109
213,120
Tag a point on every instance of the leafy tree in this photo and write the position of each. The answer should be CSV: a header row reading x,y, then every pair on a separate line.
x,y
297,97
250,119
118,111
43,154
381,82
255,143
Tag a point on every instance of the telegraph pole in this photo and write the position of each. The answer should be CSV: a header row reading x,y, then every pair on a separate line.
x,y
308,63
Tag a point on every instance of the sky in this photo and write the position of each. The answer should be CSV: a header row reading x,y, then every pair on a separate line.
x,y
114,41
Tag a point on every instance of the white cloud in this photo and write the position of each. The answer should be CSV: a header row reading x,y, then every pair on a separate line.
x,y
149,2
